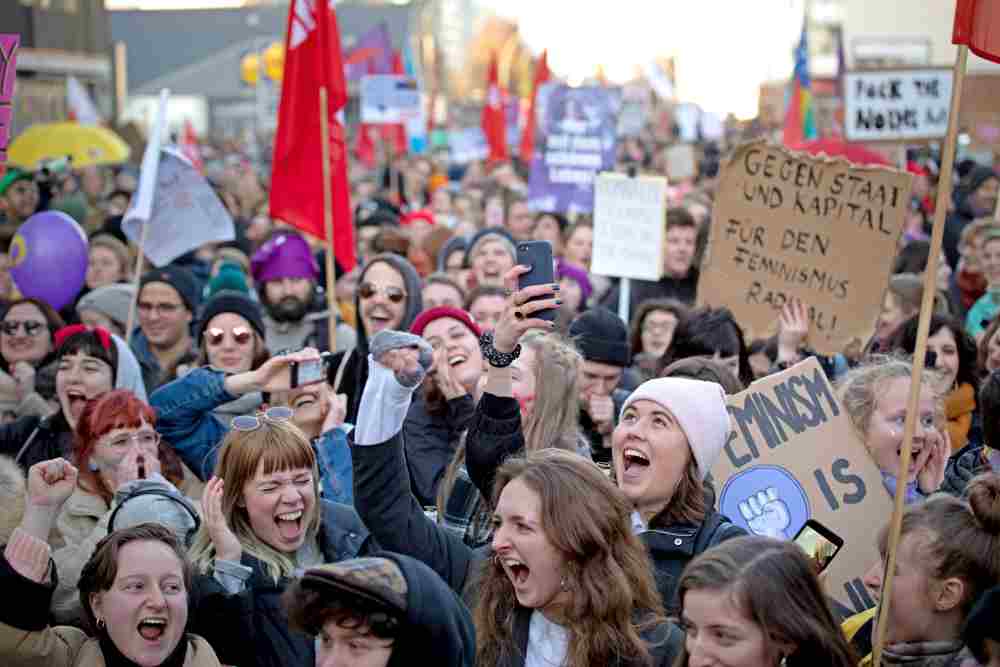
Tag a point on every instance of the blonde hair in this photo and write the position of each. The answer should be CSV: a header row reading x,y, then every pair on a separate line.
x,y
555,416
273,447
862,386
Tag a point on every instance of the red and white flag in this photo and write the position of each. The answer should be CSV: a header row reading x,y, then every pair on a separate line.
x,y
313,59
493,121
190,147
977,25
542,75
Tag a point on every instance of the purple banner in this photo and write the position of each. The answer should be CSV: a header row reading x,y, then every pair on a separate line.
x,y
8,77
575,141
371,55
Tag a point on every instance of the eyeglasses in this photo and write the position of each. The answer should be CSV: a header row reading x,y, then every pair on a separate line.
x,y
215,336
247,423
394,294
144,439
31,327
161,308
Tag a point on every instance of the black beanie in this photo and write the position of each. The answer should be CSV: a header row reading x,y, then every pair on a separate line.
x,y
229,301
601,336
182,280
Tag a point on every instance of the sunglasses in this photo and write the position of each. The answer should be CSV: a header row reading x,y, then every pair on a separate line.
x,y
31,328
248,423
215,336
394,294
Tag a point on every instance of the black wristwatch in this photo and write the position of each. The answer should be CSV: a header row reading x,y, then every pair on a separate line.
x,y
497,358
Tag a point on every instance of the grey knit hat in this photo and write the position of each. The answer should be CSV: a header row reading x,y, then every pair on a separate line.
x,y
111,300
154,500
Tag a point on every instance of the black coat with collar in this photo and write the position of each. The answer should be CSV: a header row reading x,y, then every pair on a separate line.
x,y
250,629
32,439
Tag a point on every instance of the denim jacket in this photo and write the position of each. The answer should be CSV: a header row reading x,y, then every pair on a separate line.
x,y
184,419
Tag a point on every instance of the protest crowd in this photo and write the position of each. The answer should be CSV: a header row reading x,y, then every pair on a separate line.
x,y
434,440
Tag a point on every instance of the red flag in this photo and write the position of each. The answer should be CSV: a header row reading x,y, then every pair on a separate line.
x,y
528,135
493,121
977,25
313,59
190,148
396,133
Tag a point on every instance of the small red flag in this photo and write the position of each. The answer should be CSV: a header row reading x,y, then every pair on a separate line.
x,y
313,59
493,121
977,25
190,148
542,75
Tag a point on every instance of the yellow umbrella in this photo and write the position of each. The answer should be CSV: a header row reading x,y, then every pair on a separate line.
x,y
86,144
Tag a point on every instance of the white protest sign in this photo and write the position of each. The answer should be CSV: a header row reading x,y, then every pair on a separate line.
x,y
389,98
185,212
681,163
629,223
897,105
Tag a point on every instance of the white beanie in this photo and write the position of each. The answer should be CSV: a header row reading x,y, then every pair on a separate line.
x,y
700,409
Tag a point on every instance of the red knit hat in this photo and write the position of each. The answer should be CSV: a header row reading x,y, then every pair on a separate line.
x,y
431,314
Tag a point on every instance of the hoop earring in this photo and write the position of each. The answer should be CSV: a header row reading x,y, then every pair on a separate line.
x,y
101,625
563,585
784,661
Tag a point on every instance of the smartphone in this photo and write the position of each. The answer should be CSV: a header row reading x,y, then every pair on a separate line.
x,y
537,255
820,543
308,372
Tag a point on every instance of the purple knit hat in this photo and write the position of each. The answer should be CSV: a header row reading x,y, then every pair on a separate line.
x,y
564,270
286,255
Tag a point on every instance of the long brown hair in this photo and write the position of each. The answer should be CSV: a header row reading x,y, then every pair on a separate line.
x,y
773,582
607,569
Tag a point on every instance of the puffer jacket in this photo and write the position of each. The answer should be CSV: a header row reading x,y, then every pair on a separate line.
x,y
250,628
962,468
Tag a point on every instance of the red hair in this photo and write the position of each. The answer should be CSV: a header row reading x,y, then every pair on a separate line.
x,y
113,410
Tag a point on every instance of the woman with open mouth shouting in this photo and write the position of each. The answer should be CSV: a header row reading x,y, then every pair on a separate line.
x,y
875,396
133,590
89,362
264,520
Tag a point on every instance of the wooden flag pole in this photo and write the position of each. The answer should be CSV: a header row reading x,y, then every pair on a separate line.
x,y
926,310
135,282
331,296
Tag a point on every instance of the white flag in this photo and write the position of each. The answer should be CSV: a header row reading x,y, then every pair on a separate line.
x,y
81,107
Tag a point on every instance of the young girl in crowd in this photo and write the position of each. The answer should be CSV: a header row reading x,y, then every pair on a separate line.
x,y
989,348
901,302
875,396
948,556
133,591
756,602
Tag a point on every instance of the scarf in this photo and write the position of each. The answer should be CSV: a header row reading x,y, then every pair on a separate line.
x,y
924,654
114,658
959,405
913,494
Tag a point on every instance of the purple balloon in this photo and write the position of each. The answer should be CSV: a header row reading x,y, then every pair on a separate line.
x,y
48,258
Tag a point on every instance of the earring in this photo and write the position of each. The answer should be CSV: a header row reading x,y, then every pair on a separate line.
x,y
784,661
563,585
101,624
94,467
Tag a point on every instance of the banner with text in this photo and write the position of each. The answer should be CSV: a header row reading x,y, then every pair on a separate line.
x,y
792,225
897,105
389,99
793,455
575,140
629,224
8,77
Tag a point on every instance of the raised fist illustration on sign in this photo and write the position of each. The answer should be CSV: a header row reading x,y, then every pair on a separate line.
x,y
766,514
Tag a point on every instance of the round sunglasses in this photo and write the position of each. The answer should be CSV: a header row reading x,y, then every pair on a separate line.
x,y
394,294
31,327
215,336
247,423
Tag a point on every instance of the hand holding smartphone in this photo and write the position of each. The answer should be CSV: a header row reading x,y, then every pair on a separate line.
x,y
538,256
308,372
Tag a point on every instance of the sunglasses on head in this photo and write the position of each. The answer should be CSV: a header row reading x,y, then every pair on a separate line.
x,y
215,336
394,294
31,328
246,423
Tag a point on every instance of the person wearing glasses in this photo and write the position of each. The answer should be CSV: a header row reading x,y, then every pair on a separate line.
x,y
26,334
264,520
167,303
388,298
89,362
115,444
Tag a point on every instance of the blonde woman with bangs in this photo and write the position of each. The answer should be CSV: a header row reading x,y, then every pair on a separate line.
x,y
264,520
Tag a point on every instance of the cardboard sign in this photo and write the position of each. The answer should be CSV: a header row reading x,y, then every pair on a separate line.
x,y
8,77
629,224
389,98
681,163
897,105
789,224
794,455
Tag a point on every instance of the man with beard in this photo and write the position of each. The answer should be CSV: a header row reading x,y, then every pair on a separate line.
x,y
286,272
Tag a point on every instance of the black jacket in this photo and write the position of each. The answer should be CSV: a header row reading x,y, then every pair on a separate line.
x,y
683,289
431,441
250,629
495,434
32,439
961,469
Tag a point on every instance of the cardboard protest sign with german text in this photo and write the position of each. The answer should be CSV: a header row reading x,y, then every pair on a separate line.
x,y
792,225
793,455
897,105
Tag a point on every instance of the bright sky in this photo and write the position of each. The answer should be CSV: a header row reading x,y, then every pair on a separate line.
x,y
724,48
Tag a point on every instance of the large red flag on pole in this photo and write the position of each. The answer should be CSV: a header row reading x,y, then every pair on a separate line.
x,y
493,121
313,60
528,135
977,25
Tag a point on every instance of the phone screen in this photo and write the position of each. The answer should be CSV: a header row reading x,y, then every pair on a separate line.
x,y
310,371
820,547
